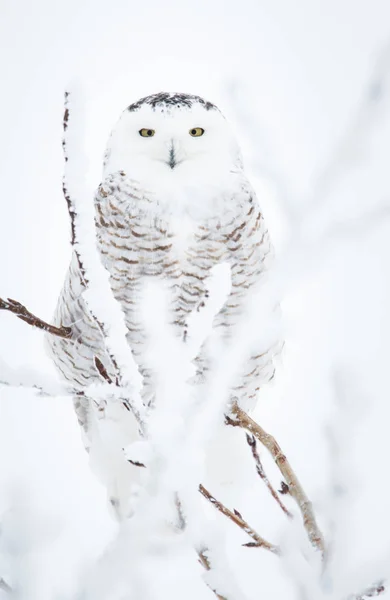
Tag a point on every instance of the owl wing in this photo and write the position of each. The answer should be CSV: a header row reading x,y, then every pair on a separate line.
x,y
132,242
250,253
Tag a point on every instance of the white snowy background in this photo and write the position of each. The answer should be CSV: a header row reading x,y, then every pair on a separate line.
x,y
292,78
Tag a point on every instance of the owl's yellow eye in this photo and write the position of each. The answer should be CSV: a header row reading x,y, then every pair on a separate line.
x,y
147,132
196,131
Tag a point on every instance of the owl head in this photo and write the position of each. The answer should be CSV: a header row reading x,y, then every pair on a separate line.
x,y
172,138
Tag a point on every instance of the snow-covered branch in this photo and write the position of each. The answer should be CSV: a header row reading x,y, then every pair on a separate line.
x,y
105,310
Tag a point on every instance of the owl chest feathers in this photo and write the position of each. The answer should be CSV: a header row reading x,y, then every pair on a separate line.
x,y
138,236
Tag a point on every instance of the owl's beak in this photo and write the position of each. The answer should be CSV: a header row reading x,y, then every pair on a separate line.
x,y
172,156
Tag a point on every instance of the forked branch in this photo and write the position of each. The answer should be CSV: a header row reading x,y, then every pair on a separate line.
x,y
262,474
294,487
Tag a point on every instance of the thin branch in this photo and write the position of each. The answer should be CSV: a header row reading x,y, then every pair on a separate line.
x,y
39,390
260,542
260,471
102,370
204,561
136,463
233,516
25,315
295,488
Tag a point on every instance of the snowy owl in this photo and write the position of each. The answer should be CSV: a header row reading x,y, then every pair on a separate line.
x,y
173,203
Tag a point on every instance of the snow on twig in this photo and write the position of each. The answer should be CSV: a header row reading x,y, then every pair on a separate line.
x,y
204,561
371,592
98,294
260,542
42,384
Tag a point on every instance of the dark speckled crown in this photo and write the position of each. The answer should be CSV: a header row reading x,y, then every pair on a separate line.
x,y
165,101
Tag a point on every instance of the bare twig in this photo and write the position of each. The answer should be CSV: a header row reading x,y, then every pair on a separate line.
x,y
136,463
204,561
233,516
295,488
260,471
260,542
102,370
25,315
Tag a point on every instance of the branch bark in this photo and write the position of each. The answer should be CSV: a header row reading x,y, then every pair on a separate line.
x,y
260,542
25,315
260,471
294,486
